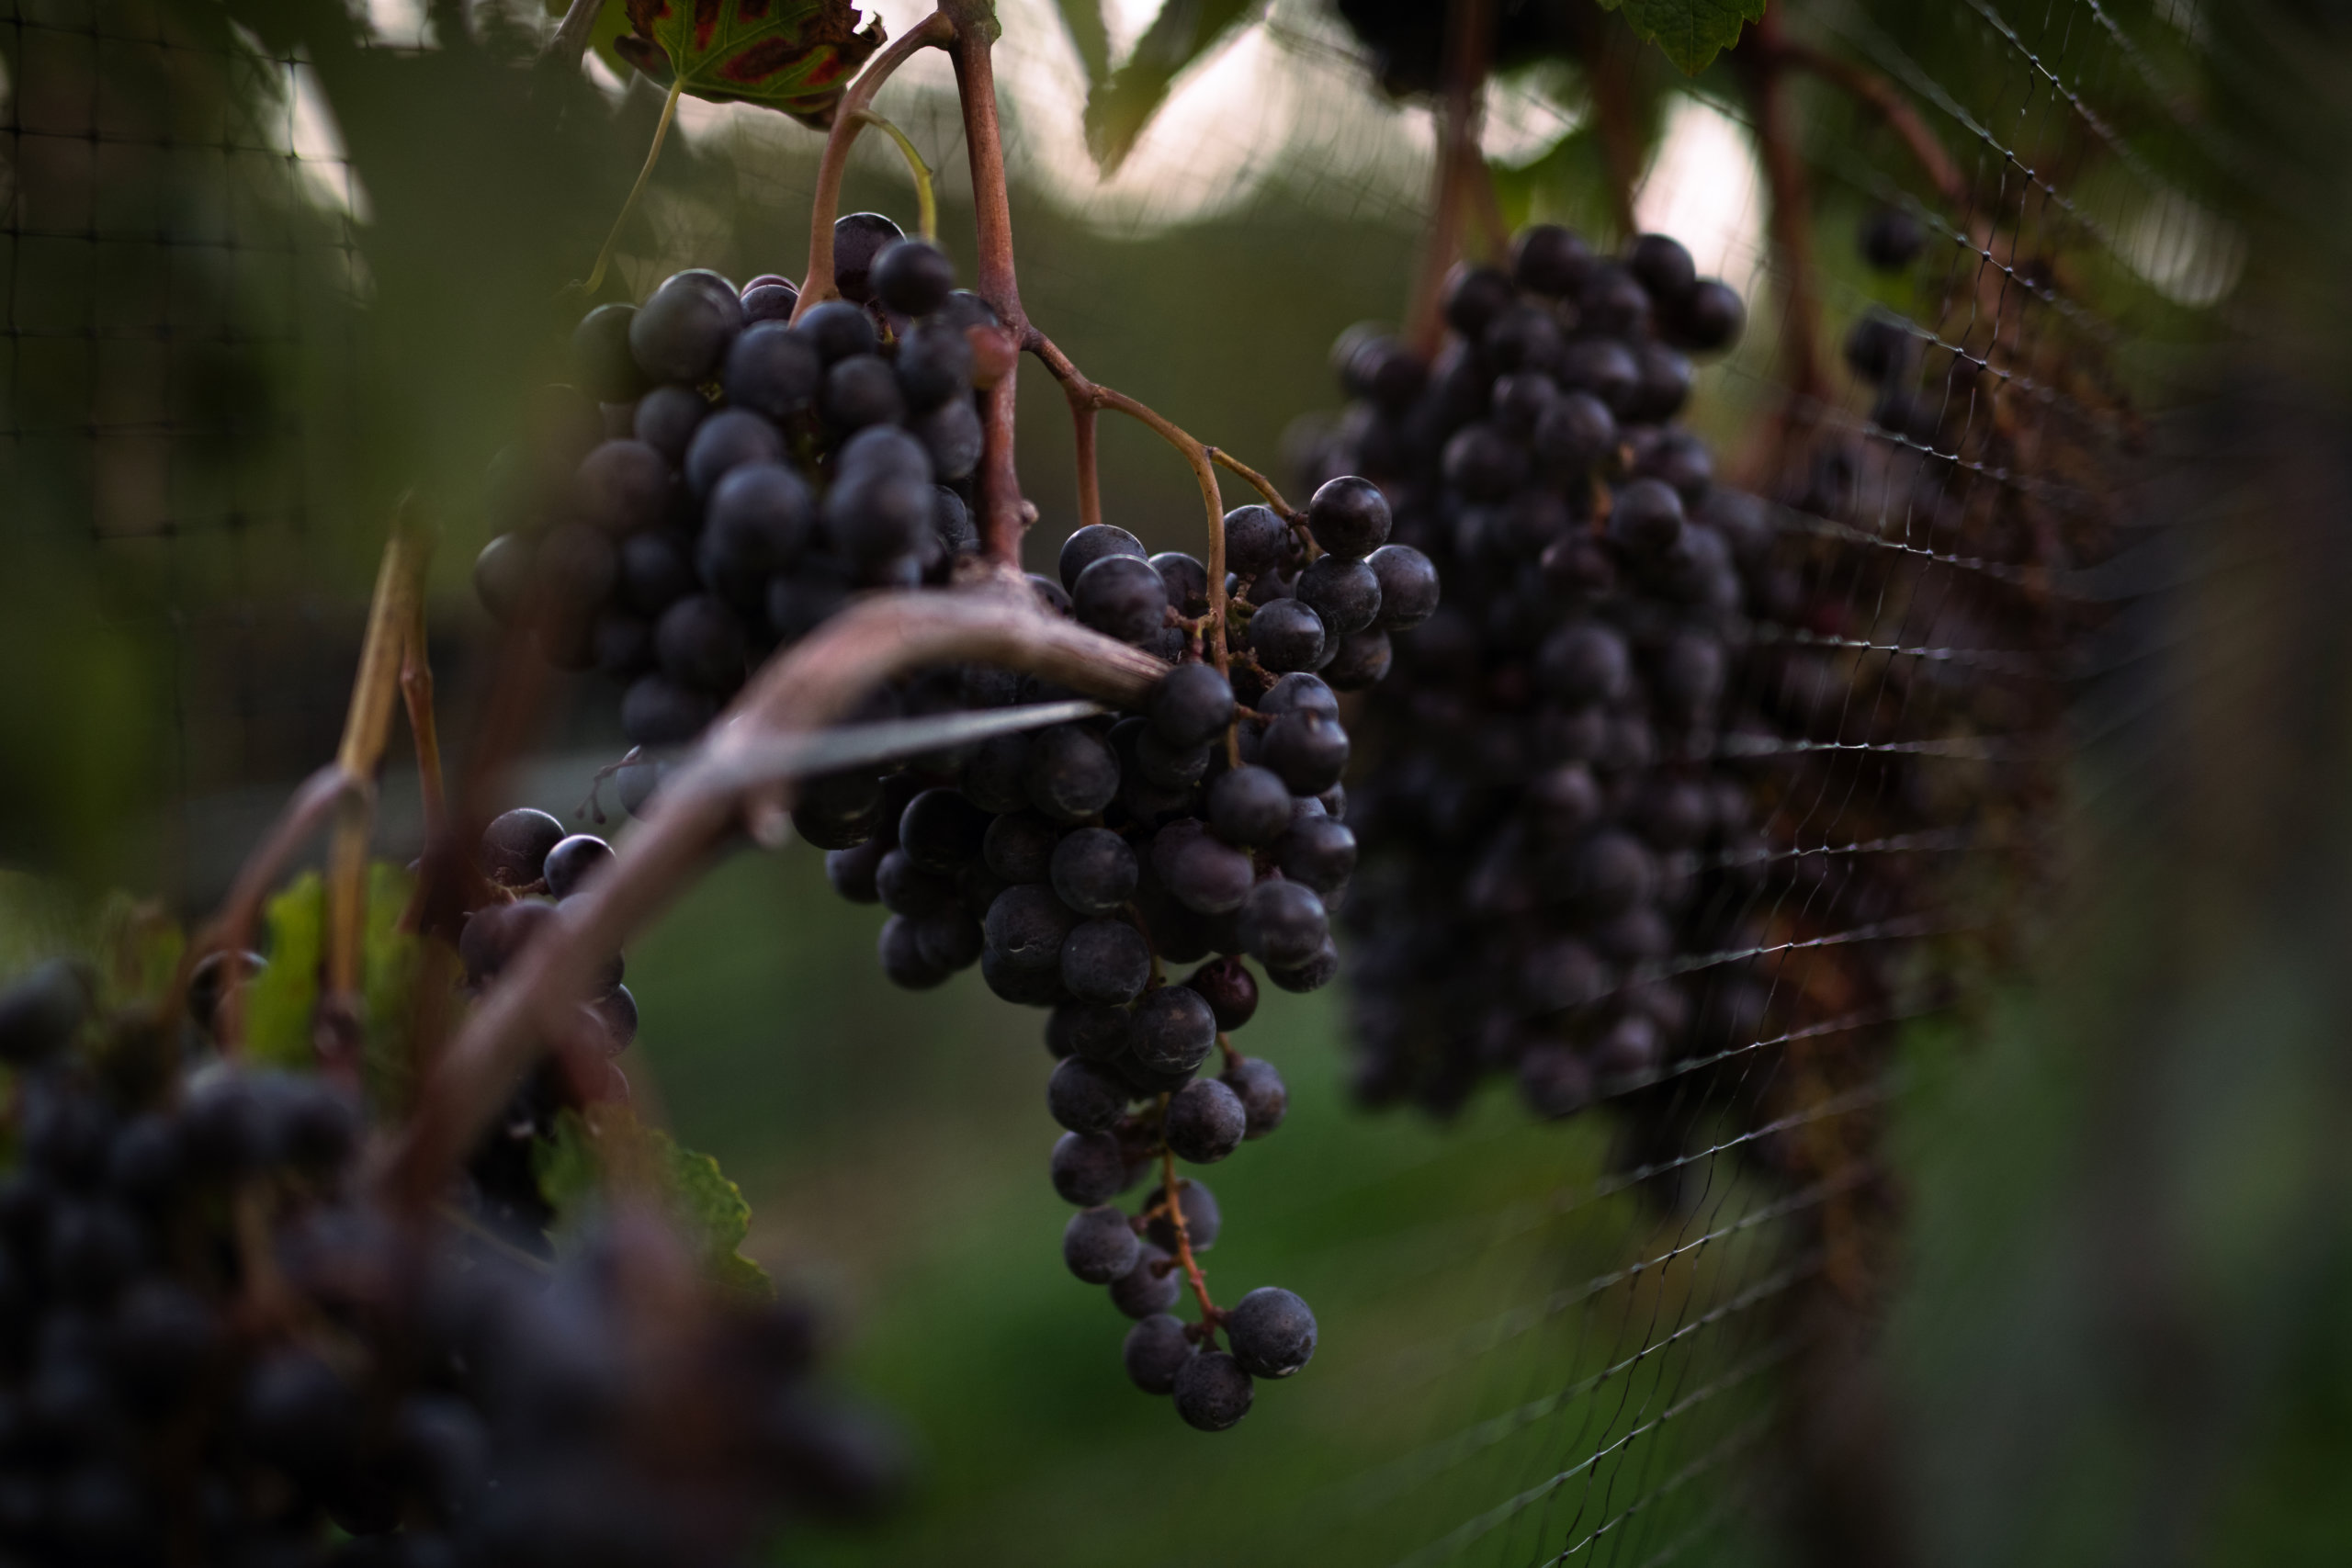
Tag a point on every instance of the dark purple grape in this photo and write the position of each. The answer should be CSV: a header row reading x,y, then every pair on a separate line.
x,y
1271,1332
1100,1245
1089,1168
1346,593
1212,1391
1201,873
1710,320
658,711
1475,296
1203,1219
1094,542
1663,268
836,330
601,363
1317,852
851,871
1249,806
1085,1096
913,278
1085,1029
934,364
1548,259
1893,239
906,888
1071,774
1205,1122
1283,924
1349,516
1106,962
1287,635
769,299
514,846
1226,986
860,238
1173,1030
1879,348
1122,597
1093,870
941,829
953,434
1265,1100
700,643
1255,538
1026,927
724,441
1155,1350
684,330
1646,516
1152,1286
1019,846
1192,706
574,862
1306,751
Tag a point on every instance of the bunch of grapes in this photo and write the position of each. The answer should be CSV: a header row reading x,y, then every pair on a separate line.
x,y
216,1346
740,475
1548,770
1075,864
1625,755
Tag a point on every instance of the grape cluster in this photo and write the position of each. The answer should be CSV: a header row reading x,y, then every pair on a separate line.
x,y
216,1346
1075,864
1548,767
530,866
1645,688
738,475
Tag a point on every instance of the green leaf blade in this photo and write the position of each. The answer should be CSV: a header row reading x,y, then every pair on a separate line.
x,y
795,56
1689,32
284,998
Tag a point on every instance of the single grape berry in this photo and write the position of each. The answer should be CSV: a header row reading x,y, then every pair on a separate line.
x,y
1287,635
1090,1030
1105,961
1475,296
602,364
1879,348
41,1013
573,860
1281,924
1202,874
1026,927
1255,538
514,846
1892,239
1249,806
913,278
1265,1100
1192,706
1548,259
1173,1029
1019,845
1662,266
725,441
1152,1286
1100,1245
1711,318
1121,597
682,333
1646,516
859,238
1092,543
1306,751
1084,1096
836,330
1346,593
1089,1168
1156,1349
1203,1219
1093,870
941,830
1271,1332
1212,1391
1317,852
1226,985
1205,1122
1071,774
1349,516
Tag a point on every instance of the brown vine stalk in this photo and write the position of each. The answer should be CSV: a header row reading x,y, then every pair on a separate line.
x,y
1468,44
849,116
813,683
1210,1316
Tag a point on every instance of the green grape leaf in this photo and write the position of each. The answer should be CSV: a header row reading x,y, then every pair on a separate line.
x,y
797,56
390,961
1691,32
1088,35
1121,104
284,998
710,1211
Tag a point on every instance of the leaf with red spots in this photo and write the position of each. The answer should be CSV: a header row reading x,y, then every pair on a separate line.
x,y
794,55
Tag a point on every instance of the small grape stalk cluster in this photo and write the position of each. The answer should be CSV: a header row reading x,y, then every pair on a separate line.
x,y
726,474
215,1345
529,866
1075,864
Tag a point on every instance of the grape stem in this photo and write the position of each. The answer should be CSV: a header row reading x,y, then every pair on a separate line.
x,y
1884,98
416,695
1613,58
1005,517
652,155
393,618
852,115
926,198
1210,1316
1469,39
231,930
1791,217
1259,482
702,805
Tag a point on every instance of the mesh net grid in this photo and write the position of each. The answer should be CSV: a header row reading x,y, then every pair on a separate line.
x,y
184,256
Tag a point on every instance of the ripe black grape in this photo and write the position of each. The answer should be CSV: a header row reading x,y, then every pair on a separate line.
x,y
1100,1245
1156,1349
1212,1391
1205,1122
1271,1332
